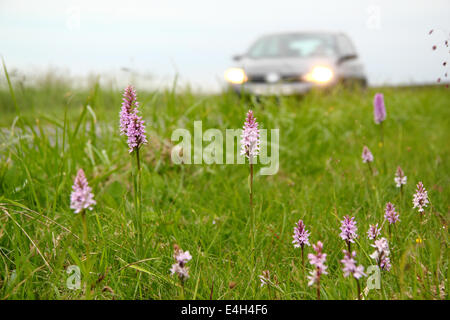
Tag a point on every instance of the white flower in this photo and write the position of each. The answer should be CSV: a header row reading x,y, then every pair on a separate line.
x,y
420,199
382,245
381,254
181,271
182,257
264,277
179,267
400,177
399,181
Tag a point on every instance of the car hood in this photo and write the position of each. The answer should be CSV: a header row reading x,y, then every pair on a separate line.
x,y
284,65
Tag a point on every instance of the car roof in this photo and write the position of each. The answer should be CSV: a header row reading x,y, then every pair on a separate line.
x,y
306,32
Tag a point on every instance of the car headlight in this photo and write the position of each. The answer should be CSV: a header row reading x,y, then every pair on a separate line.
x,y
319,75
235,75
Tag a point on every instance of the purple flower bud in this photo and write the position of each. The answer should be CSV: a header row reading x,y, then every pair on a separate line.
x,y
385,263
131,124
318,260
400,177
350,267
348,229
367,155
420,199
136,132
250,137
381,254
379,110
390,214
179,267
182,257
301,235
81,197
129,106
373,232
265,277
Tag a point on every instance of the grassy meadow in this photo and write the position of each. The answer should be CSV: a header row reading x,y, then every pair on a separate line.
x,y
50,130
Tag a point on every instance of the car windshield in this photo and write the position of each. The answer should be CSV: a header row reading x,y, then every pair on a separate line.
x,y
293,45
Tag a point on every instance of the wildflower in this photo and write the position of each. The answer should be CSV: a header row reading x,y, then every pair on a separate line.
x,y
179,267
301,235
182,272
250,137
136,132
131,124
129,107
420,199
373,232
318,260
350,267
182,257
367,156
381,254
382,245
385,263
400,178
264,278
250,146
348,229
390,214
81,197
379,110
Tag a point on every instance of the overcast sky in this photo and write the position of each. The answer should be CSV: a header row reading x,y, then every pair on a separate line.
x,y
197,38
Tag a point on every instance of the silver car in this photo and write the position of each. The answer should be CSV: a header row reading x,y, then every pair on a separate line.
x,y
294,63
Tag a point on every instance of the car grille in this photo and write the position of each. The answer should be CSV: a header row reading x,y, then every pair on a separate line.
x,y
287,78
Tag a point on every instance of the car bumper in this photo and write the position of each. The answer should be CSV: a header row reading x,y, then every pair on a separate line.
x,y
266,89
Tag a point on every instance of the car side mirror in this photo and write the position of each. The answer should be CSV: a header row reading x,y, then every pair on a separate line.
x,y
237,57
346,58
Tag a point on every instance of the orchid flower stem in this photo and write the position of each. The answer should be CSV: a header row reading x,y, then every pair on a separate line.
x,y
86,244
370,168
382,286
382,146
138,160
251,186
252,213
139,195
303,258
139,189
182,289
381,134
359,289
85,232
318,288
137,198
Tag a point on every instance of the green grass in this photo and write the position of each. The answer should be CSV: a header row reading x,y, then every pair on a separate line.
x,y
321,179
